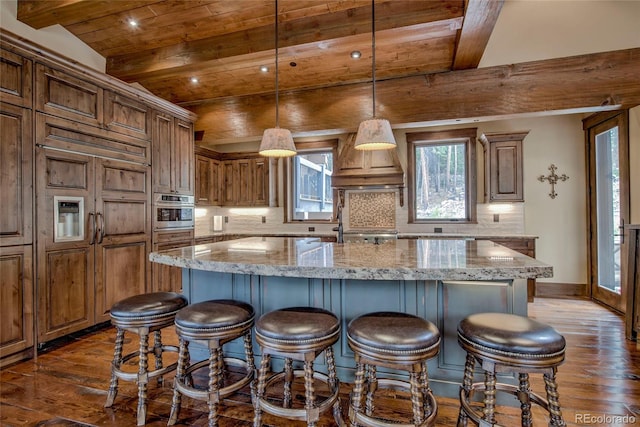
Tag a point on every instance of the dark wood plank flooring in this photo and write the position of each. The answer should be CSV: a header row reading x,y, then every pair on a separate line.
x,y
67,385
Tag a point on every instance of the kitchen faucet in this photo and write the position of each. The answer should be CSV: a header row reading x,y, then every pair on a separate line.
x,y
339,228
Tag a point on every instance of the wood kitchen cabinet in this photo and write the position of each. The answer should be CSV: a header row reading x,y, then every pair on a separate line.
x,y
633,284
503,166
167,278
246,182
208,183
105,260
17,79
16,183
524,245
16,300
172,160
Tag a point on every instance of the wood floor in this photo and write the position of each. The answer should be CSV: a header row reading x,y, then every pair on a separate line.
x,y
66,386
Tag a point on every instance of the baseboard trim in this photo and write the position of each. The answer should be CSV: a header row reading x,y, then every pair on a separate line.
x,y
556,290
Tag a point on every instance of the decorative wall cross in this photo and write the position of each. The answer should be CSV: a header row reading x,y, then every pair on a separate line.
x,y
553,179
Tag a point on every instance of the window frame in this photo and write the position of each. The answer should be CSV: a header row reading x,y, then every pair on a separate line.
x,y
418,139
304,148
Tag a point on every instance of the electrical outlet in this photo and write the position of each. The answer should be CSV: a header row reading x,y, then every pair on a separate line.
x,y
226,219
264,219
496,217
312,229
437,230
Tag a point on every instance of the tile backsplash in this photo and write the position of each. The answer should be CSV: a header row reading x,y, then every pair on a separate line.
x,y
372,210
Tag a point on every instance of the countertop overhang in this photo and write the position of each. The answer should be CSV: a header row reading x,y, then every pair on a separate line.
x,y
402,259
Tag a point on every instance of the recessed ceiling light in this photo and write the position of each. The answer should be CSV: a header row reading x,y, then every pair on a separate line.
x,y
133,22
356,54
264,68
194,80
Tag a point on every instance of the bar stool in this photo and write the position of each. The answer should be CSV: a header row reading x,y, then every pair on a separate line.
x,y
507,343
297,333
398,341
212,323
142,314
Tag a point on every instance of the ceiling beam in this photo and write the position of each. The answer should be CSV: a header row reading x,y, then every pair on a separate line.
x,y
590,82
479,19
299,31
39,14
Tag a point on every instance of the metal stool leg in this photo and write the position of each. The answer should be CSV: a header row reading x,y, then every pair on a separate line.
x,y
525,400
117,361
465,391
183,360
262,377
551,387
143,379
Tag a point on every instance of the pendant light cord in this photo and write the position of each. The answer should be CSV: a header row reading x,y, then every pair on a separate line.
x,y
373,55
276,42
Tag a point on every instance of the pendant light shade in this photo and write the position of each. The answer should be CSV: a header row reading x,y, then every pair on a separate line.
x,y
277,142
375,133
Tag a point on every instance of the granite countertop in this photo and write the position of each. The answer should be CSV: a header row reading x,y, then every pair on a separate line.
x,y
400,235
404,259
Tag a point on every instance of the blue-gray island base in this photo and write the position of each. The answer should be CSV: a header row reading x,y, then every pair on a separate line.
x,y
442,281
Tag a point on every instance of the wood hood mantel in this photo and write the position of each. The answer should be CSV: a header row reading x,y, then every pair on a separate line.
x,y
367,169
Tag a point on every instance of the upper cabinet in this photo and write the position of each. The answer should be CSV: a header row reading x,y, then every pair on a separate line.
x,y
16,76
233,179
16,185
503,166
172,158
127,116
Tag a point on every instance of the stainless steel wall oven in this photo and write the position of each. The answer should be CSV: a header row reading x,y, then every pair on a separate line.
x,y
173,211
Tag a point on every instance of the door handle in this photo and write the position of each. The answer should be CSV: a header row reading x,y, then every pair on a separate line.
x,y
92,221
101,227
621,228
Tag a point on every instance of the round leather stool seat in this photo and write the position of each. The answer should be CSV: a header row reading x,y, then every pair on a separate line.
x,y
399,341
212,323
142,315
512,336
296,325
297,333
393,335
147,305
508,343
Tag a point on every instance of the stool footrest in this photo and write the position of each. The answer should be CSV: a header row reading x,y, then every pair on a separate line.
x,y
203,394
362,418
507,388
300,414
133,376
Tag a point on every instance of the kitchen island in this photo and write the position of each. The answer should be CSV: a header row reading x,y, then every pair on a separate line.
x,y
440,280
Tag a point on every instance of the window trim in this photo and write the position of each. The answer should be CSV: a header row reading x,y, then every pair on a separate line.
x,y
303,148
468,136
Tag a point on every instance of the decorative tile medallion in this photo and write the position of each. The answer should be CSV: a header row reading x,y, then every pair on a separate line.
x,y
372,210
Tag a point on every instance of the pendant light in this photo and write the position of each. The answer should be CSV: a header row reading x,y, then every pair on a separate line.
x,y
277,142
374,134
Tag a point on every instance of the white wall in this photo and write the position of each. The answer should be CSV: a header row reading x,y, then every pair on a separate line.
x,y
54,37
530,30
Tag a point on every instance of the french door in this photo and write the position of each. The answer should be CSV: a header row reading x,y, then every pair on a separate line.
x,y
608,181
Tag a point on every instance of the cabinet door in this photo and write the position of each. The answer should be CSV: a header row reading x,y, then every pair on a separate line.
x,y
167,278
17,79
61,94
127,116
183,158
16,184
162,149
123,243
16,299
504,166
261,182
204,180
244,182
65,269
230,187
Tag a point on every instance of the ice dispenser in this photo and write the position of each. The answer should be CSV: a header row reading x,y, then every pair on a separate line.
x,y
68,218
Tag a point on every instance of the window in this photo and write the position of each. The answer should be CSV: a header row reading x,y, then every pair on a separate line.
x,y
442,174
310,186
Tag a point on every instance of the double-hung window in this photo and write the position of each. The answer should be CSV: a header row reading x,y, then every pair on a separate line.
x,y
442,174
311,195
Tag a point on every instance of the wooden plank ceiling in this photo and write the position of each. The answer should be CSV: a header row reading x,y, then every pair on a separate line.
x,y
223,43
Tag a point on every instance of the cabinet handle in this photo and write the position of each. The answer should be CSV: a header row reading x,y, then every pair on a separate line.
x,y
92,221
101,227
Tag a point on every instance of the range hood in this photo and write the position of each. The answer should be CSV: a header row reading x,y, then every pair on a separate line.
x,y
366,169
